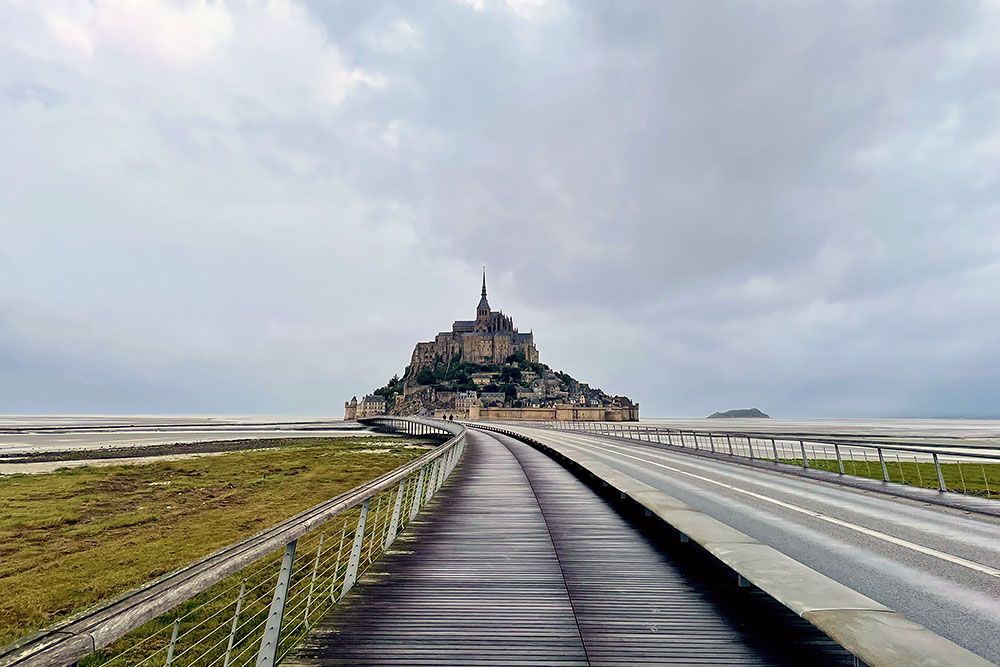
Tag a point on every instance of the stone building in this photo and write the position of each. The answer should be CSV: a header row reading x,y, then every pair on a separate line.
x,y
370,405
489,339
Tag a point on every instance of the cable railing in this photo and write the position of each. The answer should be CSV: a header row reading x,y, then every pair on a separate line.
x,y
973,471
253,602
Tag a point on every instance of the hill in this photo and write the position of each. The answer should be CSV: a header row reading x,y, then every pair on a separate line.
x,y
486,368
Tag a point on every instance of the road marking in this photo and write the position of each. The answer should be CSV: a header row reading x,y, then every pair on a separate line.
x,y
957,560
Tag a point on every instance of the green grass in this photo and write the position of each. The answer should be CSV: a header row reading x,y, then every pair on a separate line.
x,y
979,479
73,538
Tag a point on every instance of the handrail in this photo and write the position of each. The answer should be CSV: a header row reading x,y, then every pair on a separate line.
x,y
930,447
990,453
76,637
834,454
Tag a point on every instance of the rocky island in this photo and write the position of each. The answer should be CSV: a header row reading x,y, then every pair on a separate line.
x,y
486,369
752,413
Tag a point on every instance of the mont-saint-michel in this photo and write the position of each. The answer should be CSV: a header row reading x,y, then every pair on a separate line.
x,y
486,369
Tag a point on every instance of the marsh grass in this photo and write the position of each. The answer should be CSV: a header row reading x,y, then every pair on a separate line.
x,y
75,537
978,479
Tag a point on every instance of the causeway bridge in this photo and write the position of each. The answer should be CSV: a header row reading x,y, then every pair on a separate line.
x,y
596,544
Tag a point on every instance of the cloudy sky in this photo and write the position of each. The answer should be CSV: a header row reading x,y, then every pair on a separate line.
x,y
258,207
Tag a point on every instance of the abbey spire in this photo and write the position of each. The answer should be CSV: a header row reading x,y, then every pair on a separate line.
x,y
483,309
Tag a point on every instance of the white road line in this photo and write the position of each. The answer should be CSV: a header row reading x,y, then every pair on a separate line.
x,y
972,565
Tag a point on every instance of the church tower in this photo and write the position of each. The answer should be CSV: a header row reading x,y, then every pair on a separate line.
x,y
483,309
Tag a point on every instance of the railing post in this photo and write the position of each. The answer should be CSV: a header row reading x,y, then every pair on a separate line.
x,y
750,446
805,461
445,469
236,623
433,484
940,476
394,522
336,567
711,441
729,441
173,643
881,460
312,580
438,475
840,460
352,565
269,642
417,494
430,481
774,448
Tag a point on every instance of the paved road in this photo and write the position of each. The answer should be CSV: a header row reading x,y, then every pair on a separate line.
x,y
517,562
939,567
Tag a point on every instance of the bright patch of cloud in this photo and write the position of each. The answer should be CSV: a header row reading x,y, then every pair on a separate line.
x,y
398,37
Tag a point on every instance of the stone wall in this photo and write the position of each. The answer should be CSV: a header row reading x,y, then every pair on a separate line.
x,y
557,413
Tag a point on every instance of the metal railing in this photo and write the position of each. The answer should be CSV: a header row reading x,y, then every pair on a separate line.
x,y
253,602
951,467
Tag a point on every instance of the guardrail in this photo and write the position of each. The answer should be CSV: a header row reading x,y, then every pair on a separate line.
x,y
974,471
252,602
874,634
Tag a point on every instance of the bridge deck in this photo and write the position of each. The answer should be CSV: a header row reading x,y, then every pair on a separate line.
x,y
518,563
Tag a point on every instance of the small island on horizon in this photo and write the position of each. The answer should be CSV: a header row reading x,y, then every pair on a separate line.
x,y
752,413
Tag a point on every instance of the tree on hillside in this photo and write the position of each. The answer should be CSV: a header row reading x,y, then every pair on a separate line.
x,y
509,374
426,376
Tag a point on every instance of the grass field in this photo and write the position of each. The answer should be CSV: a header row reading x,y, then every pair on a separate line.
x,y
979,479
75,537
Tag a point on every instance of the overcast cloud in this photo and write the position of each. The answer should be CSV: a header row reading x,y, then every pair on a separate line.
x,y
259,207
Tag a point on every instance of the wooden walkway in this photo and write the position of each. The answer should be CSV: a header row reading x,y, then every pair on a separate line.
x,y
516,562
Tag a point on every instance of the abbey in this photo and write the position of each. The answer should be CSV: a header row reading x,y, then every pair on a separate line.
x,y
489,339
